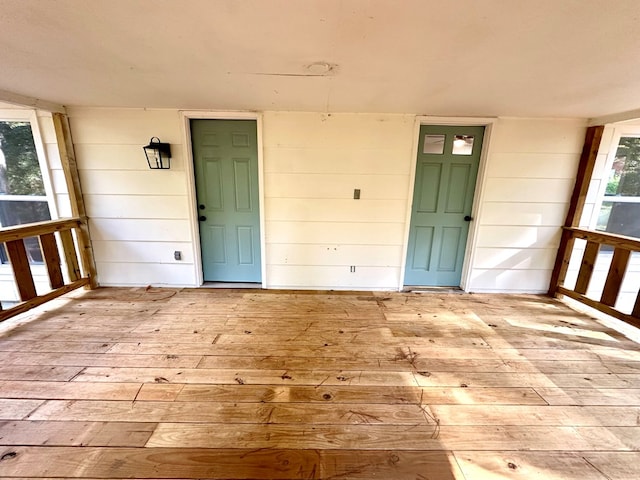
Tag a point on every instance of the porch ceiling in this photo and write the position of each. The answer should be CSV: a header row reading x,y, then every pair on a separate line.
x,y
573,58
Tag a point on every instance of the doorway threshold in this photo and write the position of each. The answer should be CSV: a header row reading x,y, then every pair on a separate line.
x,y
231,285
434,290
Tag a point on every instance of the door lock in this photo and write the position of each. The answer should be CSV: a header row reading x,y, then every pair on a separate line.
x,y
468,218
201,207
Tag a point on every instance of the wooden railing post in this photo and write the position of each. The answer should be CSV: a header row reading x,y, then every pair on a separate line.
x,y
589,258
576,205
70,167
51,257
69,249
614,277
21,269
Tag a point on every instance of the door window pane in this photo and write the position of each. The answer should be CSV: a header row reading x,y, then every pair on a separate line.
x,y
463,145
433,144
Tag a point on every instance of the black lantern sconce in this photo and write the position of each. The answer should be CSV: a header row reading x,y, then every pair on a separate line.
x,y
158,154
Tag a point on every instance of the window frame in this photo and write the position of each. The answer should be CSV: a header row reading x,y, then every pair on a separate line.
x,y
31,116
619,131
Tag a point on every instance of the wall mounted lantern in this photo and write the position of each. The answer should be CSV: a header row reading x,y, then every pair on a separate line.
x,y
158,154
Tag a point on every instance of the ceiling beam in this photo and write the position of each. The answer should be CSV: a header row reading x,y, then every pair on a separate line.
x,y
24,101
615,118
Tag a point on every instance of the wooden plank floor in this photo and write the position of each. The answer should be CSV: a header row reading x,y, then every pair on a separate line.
x,y
239,384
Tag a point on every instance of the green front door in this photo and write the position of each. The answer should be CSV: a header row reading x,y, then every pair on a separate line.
x,y
446,171
225,154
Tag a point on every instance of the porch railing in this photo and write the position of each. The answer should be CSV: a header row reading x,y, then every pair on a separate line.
x,y
46,233
623,247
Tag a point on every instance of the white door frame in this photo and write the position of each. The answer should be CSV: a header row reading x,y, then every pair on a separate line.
x,y
191,183
470,248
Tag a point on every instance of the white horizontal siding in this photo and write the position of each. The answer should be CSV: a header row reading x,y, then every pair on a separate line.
x,y
350,233
328,159
140,230
510,280
336,210
519,237
523,214
326,186
334,255
315,229
530,135
515,258
546,165
143,252
123,157
331,277
138,217
338,131
159,274
137,206
529,176
146,182
529,190
124,126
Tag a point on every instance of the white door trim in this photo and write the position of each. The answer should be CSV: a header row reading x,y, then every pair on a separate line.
x,y
478,196
185,116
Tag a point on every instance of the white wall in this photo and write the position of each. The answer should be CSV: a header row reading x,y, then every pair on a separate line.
x,y
315,230
530,174
137,217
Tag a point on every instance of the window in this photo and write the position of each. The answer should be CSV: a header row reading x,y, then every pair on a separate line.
x,y
24,190
620,209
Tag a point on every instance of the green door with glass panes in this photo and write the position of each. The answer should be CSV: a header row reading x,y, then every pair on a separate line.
x,y
446,171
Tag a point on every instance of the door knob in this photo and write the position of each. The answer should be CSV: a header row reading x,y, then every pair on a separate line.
x,y
468,218
202,218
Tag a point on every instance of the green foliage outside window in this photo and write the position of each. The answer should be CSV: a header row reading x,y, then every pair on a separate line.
x,y
622,215
21,175
626,177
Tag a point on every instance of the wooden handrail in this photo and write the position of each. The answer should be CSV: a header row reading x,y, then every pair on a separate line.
x,y
36,229
612,239
623,247
13,239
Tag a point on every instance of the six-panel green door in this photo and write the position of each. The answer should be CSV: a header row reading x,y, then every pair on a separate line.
x,y
225,157
446,171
